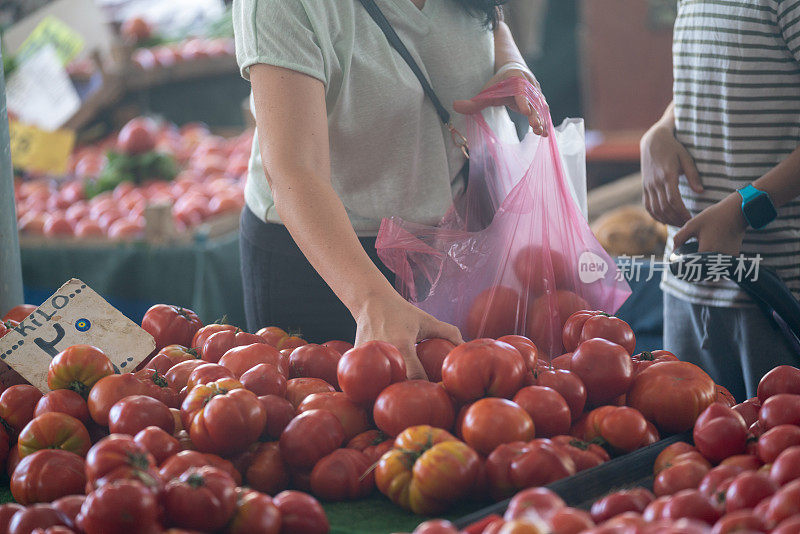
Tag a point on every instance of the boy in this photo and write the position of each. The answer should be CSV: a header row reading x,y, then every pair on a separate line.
x,y
723,165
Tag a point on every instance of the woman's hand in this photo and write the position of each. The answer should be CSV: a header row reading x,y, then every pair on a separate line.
x,y
400,323
664,159
718,228
518,103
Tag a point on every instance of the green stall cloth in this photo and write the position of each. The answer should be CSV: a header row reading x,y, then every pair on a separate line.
x,y
203,276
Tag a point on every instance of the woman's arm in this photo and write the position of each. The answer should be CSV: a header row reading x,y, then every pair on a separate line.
x,y
293,137
508,62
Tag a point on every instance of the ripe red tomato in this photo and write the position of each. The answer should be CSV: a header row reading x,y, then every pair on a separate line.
x,y
725,397
573,326
713,481
18,313
436,526
491,422
264,379
201,336
621,427
272,335
645,359
604,367
720,432
431,353
17,405
498,469
788,526
54,430
207,373
373,443
203,498
241,359
78,368
343,475
495,312
309,437
63,401
297,389
411,403
267,471
526,348
178,353
314,361
690,504
171,325
784,504
568,385
139,134
178,374
747,490
157,442
125,507
483,368
279,413
782,379
680,476
118,457
301,513
534,503
353,417
619,502
175,465
541,269
46,475
780,409
672,395
775,440
221,342
339,346
545,329
786,466
226,421
255,512
37,516
107,391
136,412
571,521
585,455
543,463
7,511
610,328
365,371
157,387
749,410
666,457
740,521
547,408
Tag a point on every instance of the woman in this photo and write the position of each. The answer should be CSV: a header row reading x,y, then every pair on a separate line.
x,y
346,137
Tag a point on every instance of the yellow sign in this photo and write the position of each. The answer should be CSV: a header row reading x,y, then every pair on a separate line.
x,y
67,42
36,150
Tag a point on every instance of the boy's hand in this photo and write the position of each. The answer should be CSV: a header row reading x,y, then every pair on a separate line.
x,y
664,159
718,228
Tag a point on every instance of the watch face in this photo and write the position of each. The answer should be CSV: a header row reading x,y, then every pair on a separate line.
x,y
760,211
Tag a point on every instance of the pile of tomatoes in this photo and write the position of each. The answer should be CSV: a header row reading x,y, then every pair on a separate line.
x,y
272,412
210,183
741,475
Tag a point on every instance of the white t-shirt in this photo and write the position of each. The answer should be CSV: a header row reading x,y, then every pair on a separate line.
x,y
390,153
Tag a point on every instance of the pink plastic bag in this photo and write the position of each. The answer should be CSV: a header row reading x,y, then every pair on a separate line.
x,y
514,255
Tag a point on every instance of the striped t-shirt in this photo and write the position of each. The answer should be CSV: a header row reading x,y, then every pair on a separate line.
x,y
737,111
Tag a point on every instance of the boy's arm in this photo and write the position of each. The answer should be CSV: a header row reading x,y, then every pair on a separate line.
x,y
721,227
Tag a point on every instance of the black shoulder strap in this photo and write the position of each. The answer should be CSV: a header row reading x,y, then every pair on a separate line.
x,y
394,40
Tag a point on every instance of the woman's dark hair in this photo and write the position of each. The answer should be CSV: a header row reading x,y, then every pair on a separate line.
x,y
490,11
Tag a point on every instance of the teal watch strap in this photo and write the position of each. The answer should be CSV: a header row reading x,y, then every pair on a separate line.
x,y
757,207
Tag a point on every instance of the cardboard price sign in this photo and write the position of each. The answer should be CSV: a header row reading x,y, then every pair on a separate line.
x,y
33,149
74,315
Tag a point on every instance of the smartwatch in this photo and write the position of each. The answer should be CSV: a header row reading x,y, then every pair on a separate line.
x,y
757,207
